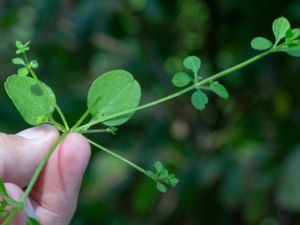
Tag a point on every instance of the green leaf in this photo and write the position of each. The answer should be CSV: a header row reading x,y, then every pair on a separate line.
x,y
261,43
2,188
34,64
162,188
158,166
292,50
199,100
219,89
164,174
296,33
31,221
19,44
192,63
23,72
18,61
181,79
31,102
280,27
113,92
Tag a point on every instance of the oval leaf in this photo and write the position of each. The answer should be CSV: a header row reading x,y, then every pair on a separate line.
x,y
181,79
192,63
199,100
160,187
260,43
219,89
280,27
113,92
29,99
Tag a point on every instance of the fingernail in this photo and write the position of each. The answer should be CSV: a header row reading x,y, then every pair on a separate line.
x,y
35,132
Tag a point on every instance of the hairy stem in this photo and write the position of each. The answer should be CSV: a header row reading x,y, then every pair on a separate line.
x,y
181,92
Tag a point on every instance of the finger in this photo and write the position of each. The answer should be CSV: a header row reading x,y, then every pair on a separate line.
x,y
56,192
21,154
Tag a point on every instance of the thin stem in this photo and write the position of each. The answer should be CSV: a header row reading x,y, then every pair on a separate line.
x,y
12,215
52,101
82,118
118,157
59,126
94,131
181,92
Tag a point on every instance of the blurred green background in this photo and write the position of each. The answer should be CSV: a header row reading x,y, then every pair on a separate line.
x,y
238,161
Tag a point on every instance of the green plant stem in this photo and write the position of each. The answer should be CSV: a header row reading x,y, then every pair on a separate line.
x,y
119,157
94,131
12,215
46,92
82,118
181,92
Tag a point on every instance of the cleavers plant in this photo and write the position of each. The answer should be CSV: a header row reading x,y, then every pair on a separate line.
x,y
112,100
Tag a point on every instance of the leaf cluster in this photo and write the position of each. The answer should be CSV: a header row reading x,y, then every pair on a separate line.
x,y
286,38
199,98
162,177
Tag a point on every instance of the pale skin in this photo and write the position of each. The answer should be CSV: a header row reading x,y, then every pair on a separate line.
x,y
54,198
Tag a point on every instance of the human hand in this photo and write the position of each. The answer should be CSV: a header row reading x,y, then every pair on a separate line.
x,y
53,199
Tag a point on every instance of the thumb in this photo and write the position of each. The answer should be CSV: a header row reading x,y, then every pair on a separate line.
x,y
21,154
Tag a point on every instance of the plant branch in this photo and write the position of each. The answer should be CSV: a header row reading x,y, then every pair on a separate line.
x,y
115,155
181,92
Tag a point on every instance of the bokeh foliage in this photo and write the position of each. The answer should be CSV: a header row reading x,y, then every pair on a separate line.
x,y
238,160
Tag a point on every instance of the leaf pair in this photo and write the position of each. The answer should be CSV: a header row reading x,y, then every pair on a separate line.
x,y
162,177
182,79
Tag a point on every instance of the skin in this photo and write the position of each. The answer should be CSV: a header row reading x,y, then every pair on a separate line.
x,y
54,197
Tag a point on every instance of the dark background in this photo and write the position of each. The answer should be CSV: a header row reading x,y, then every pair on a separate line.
x,y
238,161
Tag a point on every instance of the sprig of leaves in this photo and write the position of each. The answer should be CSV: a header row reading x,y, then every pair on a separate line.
x,y
199,98
113,99
162,177
286,39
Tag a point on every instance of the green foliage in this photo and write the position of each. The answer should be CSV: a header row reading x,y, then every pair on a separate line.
x,y
162,177
22,48
115,96
280,27
199,100
23,72
219,89
181,79
192,63
261,43
18,61
31,221
31,102
112,93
